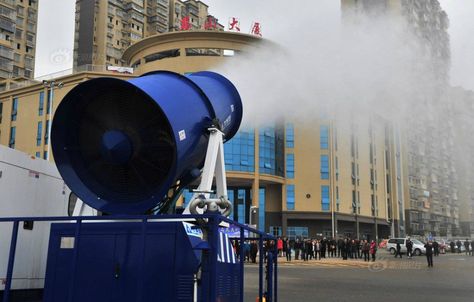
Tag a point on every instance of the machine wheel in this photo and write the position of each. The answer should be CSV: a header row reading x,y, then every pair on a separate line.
x,y
392,251
417,252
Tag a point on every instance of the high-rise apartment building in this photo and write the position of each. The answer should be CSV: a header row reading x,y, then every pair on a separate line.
x,y
462,103
18,20
104,29
430,185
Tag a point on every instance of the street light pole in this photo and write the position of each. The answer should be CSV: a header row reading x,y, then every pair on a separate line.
x,y
51,85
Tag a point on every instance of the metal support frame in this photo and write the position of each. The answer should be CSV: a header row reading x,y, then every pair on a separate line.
x,y
214,165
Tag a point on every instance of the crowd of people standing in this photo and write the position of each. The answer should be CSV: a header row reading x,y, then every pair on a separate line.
x,y
317,249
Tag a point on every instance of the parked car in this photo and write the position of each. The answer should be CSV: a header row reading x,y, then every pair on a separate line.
x,y
418,246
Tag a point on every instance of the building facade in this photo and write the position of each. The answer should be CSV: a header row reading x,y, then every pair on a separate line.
x,y
105,29
18,24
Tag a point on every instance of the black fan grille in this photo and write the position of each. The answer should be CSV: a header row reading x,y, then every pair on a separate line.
x,y
117,105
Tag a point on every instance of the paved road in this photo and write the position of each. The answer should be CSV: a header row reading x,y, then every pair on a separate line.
x,y
400,280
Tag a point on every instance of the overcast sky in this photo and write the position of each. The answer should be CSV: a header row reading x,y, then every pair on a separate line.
x,y
56,31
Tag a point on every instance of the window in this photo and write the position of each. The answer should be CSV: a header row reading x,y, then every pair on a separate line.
x,y
11,142
261,209
38,154
239,152
324,136
325,199
48,104
297,232
41,103
162,55
354,202
290,197
1,112
372,199
45,155
38,133
46,133
324,167
337,199
290,165
275,231
290,136
14,109
241,205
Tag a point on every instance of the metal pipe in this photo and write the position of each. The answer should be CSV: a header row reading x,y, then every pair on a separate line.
x,y
50,109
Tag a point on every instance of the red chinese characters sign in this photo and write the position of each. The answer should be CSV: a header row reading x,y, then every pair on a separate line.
x,y
256,29
185,24
234,24
211,23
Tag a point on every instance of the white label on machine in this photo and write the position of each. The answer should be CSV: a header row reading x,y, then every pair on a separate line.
x,y
67,242
191,230
182,135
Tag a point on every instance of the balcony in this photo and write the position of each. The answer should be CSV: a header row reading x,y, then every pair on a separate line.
x,y
116,2
7,25
6,52
133,6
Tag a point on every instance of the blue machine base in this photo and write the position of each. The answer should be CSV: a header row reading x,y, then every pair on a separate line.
x,y
120,262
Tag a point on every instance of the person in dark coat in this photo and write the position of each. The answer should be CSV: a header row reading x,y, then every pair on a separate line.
x,y
452,246
472,248
466,246
436,248
409,245
399,250
324,244
459,244
346,249
298,247
358,247
429,253
284,246
353,249
340,247
333,244
303,249
365,250
317,250
253,251
289,247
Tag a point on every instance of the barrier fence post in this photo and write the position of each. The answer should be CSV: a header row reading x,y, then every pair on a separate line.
x,y
260,269
269,276
11,261
144,229
275,280
242,260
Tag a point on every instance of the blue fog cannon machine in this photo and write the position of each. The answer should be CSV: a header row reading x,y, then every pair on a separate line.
x,y
127,149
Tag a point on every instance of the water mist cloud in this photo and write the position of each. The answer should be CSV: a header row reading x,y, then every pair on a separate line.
x,y
322,64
